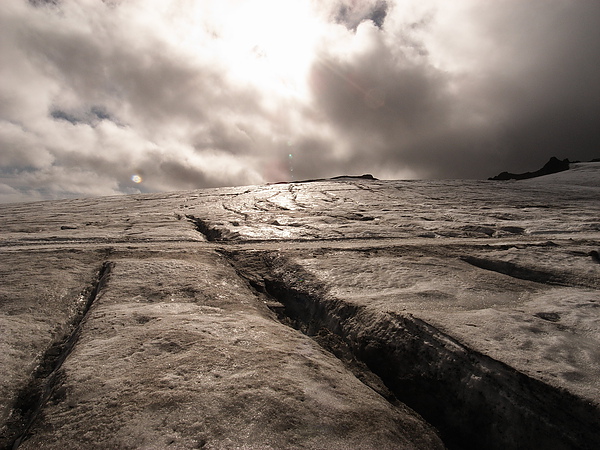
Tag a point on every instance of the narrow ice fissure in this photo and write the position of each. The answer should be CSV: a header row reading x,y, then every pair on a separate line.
x,y
520,272
515,271
46,377
210,233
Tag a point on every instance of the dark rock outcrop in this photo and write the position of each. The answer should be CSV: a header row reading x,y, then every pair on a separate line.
x,y
554,165
366,176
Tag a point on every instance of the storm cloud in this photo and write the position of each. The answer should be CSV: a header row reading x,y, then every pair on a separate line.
x,y
189,94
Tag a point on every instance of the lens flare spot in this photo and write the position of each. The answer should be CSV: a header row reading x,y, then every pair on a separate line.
x,y
136,178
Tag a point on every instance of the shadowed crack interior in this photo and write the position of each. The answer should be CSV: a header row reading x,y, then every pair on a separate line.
x,y
210,233
515,271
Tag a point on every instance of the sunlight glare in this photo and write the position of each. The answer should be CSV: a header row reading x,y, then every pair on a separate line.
x,y
270,44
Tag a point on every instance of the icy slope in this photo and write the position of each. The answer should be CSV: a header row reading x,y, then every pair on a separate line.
x,y
332,314
579,174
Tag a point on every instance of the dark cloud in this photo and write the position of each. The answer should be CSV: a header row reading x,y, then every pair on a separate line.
x,y
352,13
551,96
384,103
532,95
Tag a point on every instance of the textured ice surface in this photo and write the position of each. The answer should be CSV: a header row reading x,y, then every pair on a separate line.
x,y
179,349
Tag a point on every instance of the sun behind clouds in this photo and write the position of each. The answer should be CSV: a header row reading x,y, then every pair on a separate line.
x,y
270,44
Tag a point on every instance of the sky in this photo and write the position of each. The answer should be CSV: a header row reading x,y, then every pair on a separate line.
x,y
127,96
